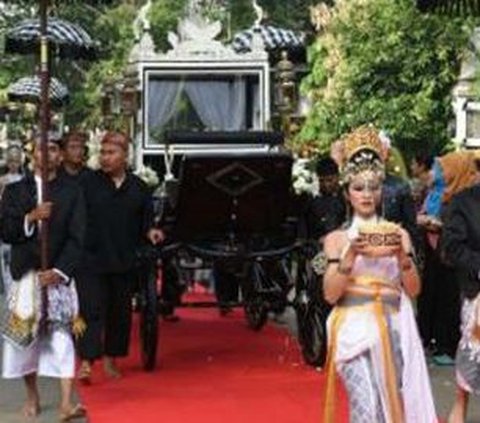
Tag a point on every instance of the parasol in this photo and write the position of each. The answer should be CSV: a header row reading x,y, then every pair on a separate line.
x,y
28,90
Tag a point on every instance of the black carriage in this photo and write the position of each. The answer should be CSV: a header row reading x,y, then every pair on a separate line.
x,y
229,191
236,208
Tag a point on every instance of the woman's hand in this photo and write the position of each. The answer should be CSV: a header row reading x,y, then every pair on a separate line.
x,y
399,251
358,245
430,223
423,219
361,246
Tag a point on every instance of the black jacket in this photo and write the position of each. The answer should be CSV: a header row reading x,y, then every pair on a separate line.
x,y
399,207
118,221
461,239
66,226
324,214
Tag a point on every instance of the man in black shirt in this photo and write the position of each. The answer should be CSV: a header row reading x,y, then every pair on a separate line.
x,y
397,200
326,211
119,220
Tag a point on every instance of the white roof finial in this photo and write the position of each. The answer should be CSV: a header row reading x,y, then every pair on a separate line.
x,y
259,12
141,22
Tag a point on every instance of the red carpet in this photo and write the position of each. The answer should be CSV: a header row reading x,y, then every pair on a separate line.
x,y
212,370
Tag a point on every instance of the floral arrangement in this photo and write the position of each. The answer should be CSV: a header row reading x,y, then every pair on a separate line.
x,y
148,175
94,144
304,180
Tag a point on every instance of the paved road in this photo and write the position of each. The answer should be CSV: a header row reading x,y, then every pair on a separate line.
x,y
11,396
443,389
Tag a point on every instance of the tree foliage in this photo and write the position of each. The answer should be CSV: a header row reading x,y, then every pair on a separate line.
x,y
164,17
293,14
110,23
383,62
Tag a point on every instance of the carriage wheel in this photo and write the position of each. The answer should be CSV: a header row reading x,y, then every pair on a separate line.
x,y
311,312
149,321
256,312
312,333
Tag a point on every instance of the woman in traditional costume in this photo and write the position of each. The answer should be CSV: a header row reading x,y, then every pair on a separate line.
x,y
370,277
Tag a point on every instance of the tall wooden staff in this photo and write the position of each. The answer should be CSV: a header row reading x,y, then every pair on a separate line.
x,y
44,125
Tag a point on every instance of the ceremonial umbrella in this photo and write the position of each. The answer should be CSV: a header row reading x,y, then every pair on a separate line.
x,y
273,37
66,39
38,36
451,7
28,90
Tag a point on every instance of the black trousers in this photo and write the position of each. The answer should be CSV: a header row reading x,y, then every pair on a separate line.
x,y
438,305
171,289
106,305
227,281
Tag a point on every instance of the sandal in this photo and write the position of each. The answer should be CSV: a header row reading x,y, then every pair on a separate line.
x,y
111,368
30,411
76,412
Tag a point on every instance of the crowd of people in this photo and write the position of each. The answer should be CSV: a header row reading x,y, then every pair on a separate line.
x,y
377,344
96,219
78,302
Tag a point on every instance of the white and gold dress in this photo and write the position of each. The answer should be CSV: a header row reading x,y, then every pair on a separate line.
x,y
375,348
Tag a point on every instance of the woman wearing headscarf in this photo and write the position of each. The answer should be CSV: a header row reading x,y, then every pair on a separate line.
x,y
440,304
461,242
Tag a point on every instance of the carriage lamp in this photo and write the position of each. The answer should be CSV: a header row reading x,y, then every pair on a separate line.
x,y
129,93
107,100
129,99
285,87
285,93
472,118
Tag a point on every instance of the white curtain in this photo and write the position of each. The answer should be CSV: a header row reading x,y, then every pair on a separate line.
x,y
163,97
219,104
257,112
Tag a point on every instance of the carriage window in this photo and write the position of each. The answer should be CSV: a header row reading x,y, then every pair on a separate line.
x,y
189,102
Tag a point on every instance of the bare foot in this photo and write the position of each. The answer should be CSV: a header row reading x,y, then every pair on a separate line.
x,y
31,409
456,415
72,412
111,368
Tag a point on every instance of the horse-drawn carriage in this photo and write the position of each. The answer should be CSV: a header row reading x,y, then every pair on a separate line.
x,y
236,208
228,179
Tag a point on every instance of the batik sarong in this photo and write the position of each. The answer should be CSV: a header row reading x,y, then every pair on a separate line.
x,y
468,353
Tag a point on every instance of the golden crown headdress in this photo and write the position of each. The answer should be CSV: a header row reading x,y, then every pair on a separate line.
x,y
362,138
361,150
